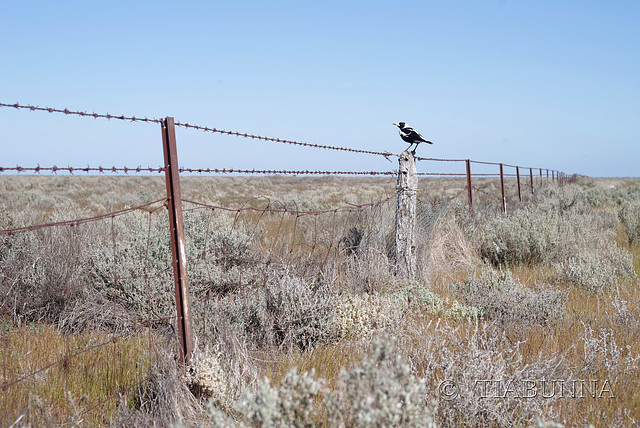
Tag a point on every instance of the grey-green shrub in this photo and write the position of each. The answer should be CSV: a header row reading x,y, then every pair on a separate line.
x,y
597,270
290,405
132,264
630,216
421,297
482,351
498,297
300,313
527,236
535,235
220,255
562,222
382,391
362,315
42,271
287,311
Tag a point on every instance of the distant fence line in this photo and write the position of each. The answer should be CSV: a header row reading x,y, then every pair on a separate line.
x,y
282,224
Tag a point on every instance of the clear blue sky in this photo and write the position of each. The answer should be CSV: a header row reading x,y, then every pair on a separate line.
x,y
553,84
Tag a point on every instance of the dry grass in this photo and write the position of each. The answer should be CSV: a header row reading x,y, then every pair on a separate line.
x,y
468,329
83,387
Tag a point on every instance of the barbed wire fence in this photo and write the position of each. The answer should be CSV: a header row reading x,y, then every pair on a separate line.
x,y
79,276
104,282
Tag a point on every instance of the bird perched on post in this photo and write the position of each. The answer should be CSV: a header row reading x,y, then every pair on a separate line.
x,y
410,135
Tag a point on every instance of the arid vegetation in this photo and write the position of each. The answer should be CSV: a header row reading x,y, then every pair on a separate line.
x,y
513,320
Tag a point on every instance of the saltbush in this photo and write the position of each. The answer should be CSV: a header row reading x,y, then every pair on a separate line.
x,y
630,217
598,271
287,311
381,391
469,380
361,315
498,297
526,236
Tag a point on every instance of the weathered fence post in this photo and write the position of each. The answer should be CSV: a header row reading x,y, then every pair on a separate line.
x,y
178,251
469,190
405,239
504,198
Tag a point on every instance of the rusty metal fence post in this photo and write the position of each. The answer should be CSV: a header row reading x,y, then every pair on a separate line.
x,y
518,178
178,251
531,177
541,181
469,191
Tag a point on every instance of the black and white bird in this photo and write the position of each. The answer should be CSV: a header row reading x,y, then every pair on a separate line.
x,y
410,135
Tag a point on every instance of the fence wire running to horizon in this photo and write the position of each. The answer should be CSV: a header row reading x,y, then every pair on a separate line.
x,y
80,297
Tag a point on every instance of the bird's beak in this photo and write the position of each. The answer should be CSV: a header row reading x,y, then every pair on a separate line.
x,y
395,124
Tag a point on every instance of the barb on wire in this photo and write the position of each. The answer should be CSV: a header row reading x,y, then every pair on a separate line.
x,y
280,172
80,113
71,169
418,158
442,174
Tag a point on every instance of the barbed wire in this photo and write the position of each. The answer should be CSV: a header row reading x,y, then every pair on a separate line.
x,y
285,141
80,221
102,170
305,172
384,154
280,172
80,113
71,169
270,204
198,127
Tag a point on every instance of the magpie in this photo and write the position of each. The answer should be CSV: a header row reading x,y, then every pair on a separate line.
x,y
409,135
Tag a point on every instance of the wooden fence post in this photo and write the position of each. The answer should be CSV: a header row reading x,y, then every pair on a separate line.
x,y
178,251
405,239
